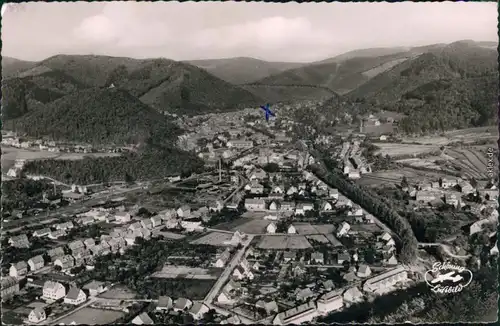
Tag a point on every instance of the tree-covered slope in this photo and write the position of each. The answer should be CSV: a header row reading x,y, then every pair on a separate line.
x,y
98,116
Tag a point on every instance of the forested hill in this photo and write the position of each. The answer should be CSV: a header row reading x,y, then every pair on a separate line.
x,y
97,116
163,84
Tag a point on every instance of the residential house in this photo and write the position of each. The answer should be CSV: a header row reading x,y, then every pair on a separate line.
x,y
184,211
216,206
328,285
318,258
198,310
86,220
241,144
452,200
465,187
489,194
135,226
298,269
333,193
256,266
143,319
449,183
364,271
343,229
111,219
165,303
54,235
55,253
326,206
291,230
76,247
89,243
478,226
36,263
330,301
19,269
123,217
10,287
19,241
343,257
223,259
65,226
269,307
258,174
303,294
156,221
287,207
385,280
289,256
146,224
301,314
390,261
95,288
75,296
302,208
292,190
37,315
182,304
254,204
256,188
41,232
274,206
65,262
343,202
353,295
53,291
278,189
426,197
355,211
239,273
271,228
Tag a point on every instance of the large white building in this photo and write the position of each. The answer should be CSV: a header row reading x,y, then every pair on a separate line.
x,y
385,280
330,301
53,290
297,315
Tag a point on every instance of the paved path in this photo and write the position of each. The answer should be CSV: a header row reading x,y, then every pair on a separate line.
x,y
446,249
209,298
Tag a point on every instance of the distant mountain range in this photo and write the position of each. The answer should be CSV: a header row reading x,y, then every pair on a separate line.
x,y
404,79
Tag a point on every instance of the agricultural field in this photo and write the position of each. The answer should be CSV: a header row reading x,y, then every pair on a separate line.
x,y
282,242
397,149
91,316
213,239
472,161
391,177
465,136
186,272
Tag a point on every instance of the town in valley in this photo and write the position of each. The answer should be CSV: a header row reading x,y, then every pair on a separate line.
x,y
340,208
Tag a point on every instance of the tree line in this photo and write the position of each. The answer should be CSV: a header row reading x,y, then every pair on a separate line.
x,y
376,206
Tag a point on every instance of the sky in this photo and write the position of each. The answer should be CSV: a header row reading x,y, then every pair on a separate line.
x,y
206,30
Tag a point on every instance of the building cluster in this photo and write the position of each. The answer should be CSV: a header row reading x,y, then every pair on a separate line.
x,y
481,200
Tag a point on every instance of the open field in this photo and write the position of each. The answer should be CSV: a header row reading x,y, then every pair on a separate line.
x,y
394,149
194,289
213,239
185,272
11,154
92,316
245,225
396,176
308,229
282,242
118,292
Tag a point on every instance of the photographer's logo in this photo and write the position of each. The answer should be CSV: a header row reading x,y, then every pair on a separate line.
x,y
448,278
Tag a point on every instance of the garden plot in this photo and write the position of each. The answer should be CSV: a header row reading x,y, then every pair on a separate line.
x,y
91,316
185,272
213,239
282,242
